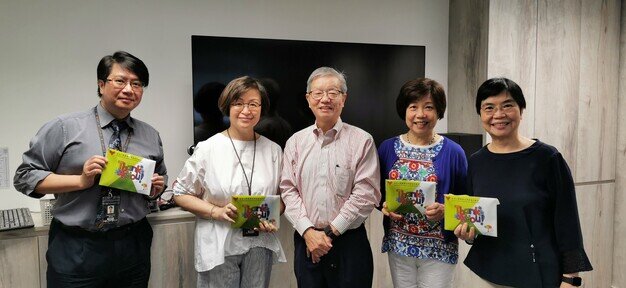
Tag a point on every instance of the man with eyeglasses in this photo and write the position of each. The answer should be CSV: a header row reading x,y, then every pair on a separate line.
x,y
65,158
330,184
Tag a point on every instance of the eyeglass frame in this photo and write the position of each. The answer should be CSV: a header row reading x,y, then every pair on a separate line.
x,y
502,107
240,105
325,93
133,84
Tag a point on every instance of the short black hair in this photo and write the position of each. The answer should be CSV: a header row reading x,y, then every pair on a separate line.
x,y
126,61
495,87
415,90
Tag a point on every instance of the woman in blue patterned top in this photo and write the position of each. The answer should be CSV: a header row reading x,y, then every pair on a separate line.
x,y
420,252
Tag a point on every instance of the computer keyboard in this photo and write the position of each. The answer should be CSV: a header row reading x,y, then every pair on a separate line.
x,y
15,219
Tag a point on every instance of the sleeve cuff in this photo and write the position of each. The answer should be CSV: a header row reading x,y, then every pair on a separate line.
x,y
303,224
341,224
575,261
36,176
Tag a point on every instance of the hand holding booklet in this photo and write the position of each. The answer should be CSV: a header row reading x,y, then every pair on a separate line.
x,y
252,209
478,212
128,172
409,196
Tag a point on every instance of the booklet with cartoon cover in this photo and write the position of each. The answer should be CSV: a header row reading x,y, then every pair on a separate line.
x,y
478,212
252,209
409,196
128,172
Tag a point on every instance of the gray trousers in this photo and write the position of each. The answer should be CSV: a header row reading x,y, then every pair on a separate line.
x,y
250,270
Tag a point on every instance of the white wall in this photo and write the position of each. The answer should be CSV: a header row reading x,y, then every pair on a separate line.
x,y
49,51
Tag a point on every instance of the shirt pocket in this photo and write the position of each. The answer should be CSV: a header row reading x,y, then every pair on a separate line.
x,y
343,181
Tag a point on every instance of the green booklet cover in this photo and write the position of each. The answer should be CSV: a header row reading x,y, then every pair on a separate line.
x,y
127,172
409,196
478,212
252,209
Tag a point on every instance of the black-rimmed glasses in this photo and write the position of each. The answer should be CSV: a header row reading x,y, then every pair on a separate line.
x,y
120,83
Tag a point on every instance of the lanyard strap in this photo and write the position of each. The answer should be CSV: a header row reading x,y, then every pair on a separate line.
x,y
104,149
241,164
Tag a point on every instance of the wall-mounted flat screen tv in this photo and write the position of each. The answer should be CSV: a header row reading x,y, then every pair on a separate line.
x,y
374,72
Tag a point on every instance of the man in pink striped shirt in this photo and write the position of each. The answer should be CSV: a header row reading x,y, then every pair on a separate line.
x,y
330,184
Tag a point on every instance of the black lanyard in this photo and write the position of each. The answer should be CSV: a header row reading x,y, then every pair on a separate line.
x,y
241,164
104,149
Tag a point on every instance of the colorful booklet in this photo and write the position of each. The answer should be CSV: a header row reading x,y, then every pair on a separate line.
x,y
128,172
409,196
478,212
252,209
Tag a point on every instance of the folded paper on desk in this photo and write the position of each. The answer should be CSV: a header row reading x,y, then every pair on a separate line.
x,y
128,172
252,209
478,212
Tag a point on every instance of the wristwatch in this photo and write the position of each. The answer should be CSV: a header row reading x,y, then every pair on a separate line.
x,y
574,281
329,232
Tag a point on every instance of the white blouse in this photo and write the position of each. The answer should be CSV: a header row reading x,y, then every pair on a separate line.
x,y
213,174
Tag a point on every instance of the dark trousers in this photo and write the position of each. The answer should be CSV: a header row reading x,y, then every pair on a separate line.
x,y
348,264
119,258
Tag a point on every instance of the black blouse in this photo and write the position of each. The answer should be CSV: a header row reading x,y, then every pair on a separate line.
x,y
539,236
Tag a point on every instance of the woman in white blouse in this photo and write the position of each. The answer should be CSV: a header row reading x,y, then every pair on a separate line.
x,y
236,161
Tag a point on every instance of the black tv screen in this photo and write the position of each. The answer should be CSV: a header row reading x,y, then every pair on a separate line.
x,y
374,74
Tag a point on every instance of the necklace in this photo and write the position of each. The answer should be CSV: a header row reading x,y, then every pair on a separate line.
x,y
241,164
432,140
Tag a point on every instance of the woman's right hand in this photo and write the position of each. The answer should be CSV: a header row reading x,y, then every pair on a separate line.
x,y
392,215
227,213
462,233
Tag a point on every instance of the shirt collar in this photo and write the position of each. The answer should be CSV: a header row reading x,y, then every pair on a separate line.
x,y
334,131
106,118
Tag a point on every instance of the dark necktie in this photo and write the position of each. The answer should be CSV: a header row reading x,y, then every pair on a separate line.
x,y
118,127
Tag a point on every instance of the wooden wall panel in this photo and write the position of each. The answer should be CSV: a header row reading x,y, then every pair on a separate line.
x,y
596,210
43,263
558,64
172,256
282,273
598,88
467,62
19,258
512,50
619,221
375,233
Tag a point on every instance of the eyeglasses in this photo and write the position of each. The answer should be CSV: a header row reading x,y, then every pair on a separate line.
x,y
319,94
490,109
252,106
121,83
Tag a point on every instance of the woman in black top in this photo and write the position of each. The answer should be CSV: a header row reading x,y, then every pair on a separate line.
x,y
539,241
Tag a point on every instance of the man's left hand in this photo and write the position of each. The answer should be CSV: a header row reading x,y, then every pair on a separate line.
x,y
158,183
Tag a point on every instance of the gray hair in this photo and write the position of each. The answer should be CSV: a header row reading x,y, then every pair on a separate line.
x,y
327,71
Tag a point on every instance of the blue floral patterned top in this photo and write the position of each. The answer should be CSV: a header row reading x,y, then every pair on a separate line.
x,y
414,235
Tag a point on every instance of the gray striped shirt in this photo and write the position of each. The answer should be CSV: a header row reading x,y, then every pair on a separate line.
x,y
64,144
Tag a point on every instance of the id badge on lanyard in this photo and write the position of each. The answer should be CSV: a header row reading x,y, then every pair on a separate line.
x,y
111,208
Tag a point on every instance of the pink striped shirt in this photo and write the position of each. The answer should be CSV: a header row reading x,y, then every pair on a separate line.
x,y
330,178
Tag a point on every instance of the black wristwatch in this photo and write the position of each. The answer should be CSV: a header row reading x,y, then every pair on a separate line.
x,y
574,281
329,232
